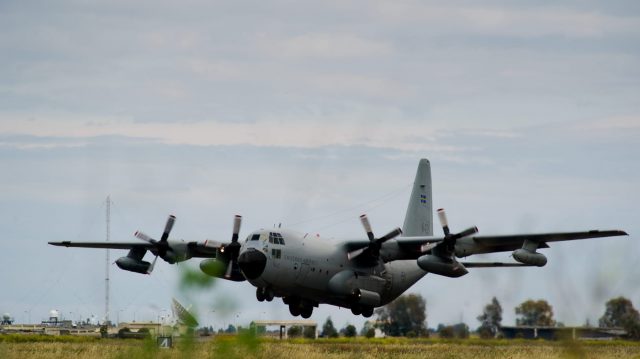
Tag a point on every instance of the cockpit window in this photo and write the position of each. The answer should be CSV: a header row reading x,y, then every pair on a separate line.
x,y
255,237
275,238
247,240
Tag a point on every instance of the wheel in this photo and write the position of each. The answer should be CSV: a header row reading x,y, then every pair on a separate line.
x,y
367,312
356,310
268,294
260,295
306,311
294,309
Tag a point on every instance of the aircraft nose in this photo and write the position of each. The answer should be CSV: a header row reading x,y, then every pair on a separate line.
x,y
252,263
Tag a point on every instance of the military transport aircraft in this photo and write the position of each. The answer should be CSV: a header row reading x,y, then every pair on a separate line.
x,y
359,274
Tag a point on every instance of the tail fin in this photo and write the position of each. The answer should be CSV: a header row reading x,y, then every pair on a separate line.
x,y
419,218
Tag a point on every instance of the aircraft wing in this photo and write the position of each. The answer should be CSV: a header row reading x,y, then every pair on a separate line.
x,y
105,245
403,241
206,249
501,243
494,264
419,240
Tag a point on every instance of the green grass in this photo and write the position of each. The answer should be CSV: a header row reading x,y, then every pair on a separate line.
x,y
250,347
29,338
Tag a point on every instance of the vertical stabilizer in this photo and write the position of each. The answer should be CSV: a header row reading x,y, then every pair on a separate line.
x,y
419,218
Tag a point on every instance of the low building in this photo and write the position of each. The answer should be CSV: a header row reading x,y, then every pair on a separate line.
x,y
555,333
283,324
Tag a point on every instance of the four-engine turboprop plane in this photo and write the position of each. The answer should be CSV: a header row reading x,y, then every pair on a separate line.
x,y
359,274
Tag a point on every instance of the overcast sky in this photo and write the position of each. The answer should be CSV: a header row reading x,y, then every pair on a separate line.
x,y
310,114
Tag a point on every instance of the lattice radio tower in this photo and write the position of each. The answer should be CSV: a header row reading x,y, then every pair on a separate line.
x,y
106,265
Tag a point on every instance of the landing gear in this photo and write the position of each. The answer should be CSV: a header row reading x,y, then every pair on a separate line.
x,y
294,309
263,294
299,307
268,294
366,311
260,295
306,311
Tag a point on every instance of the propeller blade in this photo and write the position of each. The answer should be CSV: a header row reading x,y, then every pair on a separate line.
x,y
442,216
153,264
367,226
227,274
144,237
393,234
355,253
466,232
237,221
167,228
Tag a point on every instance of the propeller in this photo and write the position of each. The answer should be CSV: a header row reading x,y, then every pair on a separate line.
x,y
374,243
153,264
162,248
449,242
232,249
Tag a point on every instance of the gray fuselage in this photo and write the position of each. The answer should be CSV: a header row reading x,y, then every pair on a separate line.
x,y
317,269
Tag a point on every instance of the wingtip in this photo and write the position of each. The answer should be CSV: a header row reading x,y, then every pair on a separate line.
x,y
617,232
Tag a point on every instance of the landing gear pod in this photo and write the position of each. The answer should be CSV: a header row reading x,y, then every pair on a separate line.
x,y
528,257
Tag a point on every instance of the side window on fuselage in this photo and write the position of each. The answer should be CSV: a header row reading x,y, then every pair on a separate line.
x,y
255,237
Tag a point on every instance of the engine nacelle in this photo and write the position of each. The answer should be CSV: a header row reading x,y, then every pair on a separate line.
x,y
366,297
213,267
528,257
437,265
133,265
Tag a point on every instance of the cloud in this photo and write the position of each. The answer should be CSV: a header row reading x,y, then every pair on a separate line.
x,y
325,46
527,22
623,123
269,133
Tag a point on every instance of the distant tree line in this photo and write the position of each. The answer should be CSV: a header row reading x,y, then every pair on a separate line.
x,y
406,317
